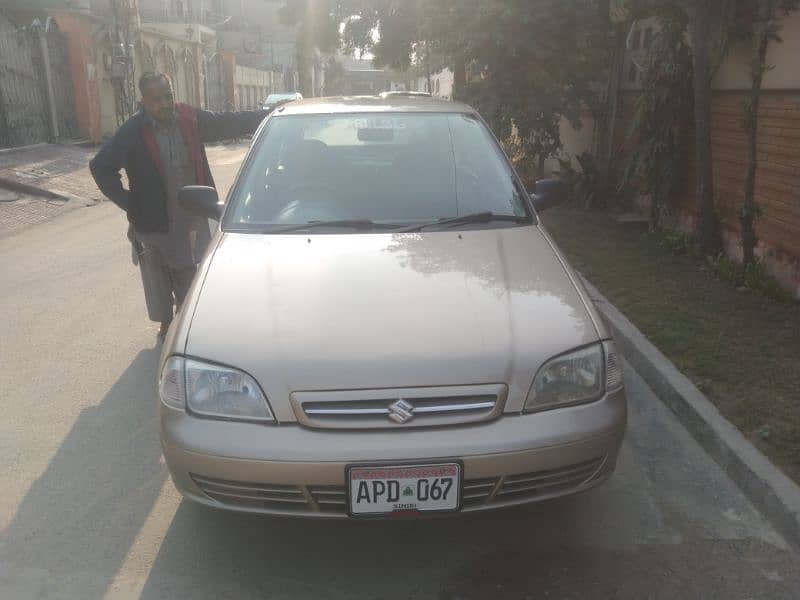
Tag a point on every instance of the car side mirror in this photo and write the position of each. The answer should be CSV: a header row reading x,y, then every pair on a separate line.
x,y
201,200
548,193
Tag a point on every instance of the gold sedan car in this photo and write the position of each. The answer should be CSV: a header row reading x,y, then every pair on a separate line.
x,y
383,327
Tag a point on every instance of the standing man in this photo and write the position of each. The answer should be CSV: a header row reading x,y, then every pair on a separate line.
x,y
161,149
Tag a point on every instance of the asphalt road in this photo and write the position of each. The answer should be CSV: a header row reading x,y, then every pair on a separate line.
x,y
87,509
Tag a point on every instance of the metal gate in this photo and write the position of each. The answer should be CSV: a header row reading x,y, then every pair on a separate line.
x,y
27,56
62,82
216,98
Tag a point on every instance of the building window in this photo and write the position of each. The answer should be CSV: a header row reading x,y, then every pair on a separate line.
x,y
636,41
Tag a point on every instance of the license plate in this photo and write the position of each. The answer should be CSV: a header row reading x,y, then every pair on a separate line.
x,y
389,490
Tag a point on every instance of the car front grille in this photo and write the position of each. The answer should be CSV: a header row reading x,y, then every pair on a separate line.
x,y
253,495
543,484
379,412
331,500
526,487
380,409
478,491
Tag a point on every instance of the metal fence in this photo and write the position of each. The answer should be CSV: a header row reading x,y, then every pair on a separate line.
x,y
36,103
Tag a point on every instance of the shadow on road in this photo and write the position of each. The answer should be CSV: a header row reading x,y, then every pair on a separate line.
x,y
82,515
211,554
534,552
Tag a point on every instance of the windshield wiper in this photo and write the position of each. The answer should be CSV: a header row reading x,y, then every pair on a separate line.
x,y
478,217
353,223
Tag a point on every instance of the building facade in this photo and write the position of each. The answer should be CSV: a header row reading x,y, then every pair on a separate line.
x,y
109,44
252,31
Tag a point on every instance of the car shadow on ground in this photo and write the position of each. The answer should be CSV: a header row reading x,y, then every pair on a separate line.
x,y
76,524
529,552
209,553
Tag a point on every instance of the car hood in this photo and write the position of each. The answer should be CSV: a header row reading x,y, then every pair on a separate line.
x,y
368,311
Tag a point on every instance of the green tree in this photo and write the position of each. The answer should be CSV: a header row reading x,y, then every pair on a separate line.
x,y
709,25
701,16
661,110
400,33
758,22
533,62
317,29
551,56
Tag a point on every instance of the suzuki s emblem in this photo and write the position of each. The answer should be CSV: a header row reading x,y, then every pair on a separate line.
x,y
401,411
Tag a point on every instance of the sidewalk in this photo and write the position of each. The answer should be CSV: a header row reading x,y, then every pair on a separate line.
x,y
47,180
40,182
62,170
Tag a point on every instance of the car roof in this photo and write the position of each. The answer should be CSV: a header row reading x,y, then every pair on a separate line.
x,y
405,93
359,104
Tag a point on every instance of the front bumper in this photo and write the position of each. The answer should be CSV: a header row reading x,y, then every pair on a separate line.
x,y
292,470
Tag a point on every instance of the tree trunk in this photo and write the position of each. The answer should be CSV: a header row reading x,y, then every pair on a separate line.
x,y
428,69
707,226
605,146
305,54
654,221
304,66
747,215
459,78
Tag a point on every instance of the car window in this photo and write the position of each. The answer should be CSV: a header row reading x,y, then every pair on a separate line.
x,y
390,168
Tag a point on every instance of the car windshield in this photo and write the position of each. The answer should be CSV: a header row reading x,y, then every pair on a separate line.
x,y
402,168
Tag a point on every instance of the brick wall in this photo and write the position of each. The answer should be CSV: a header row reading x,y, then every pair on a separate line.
x,y
778,174
777,178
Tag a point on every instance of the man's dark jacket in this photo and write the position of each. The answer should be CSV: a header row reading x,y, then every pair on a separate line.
x,y
133,148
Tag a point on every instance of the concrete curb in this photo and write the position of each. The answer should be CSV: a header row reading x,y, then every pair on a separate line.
x,y
23,148
32,190
774,494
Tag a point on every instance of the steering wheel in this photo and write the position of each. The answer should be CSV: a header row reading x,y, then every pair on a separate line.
x,y
310,201
298,211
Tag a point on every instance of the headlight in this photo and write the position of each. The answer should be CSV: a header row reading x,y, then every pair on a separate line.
x,y
576,377
212,390
172,383
613,367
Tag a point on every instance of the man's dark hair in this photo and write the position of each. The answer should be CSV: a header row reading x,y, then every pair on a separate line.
x,y
151,76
